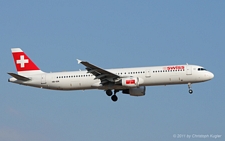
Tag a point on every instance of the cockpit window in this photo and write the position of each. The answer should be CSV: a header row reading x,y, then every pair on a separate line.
x,y
201,69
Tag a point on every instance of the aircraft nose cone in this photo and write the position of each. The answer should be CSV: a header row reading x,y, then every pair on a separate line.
x,y
211,75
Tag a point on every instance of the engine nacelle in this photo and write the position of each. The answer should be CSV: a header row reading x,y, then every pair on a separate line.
x,y
131,81
140,91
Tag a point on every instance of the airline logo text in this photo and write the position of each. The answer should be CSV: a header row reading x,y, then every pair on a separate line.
x,y
130,81
175,68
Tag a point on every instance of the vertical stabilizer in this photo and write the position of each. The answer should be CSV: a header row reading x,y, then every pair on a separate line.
x,y
23,63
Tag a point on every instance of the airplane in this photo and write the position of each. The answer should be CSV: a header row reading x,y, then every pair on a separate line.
x,y
132,81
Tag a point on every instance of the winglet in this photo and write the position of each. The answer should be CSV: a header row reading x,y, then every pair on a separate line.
x,y
79,61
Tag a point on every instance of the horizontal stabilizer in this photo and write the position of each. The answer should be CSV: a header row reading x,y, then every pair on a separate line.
x,y
19,77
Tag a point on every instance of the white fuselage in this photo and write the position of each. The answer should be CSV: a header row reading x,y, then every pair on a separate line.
x,y
148,76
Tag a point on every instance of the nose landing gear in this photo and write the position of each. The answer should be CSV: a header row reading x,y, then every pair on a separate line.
x,y
190,91
189,87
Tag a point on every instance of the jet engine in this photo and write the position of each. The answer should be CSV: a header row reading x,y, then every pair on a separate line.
x,y
140,91
131,81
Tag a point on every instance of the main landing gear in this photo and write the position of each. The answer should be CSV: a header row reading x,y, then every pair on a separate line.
x,y
189,87
113,96
109,92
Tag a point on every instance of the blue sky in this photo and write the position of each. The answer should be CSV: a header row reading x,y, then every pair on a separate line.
x,y
112,34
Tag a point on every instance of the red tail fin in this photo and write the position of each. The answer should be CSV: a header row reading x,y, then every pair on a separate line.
x,y
23,62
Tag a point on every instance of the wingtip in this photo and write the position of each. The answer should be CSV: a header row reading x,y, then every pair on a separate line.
x,y
79,61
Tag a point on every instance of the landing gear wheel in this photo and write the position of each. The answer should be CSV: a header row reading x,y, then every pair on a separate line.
x,y
109,92
114,98
189,87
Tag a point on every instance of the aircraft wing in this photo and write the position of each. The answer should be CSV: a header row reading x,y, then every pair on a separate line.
x,y
99,73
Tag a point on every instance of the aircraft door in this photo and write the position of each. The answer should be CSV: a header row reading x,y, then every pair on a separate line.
x,y
188,70
147,73
43,79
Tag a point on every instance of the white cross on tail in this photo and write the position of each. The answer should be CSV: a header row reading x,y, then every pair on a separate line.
x,y
22,61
